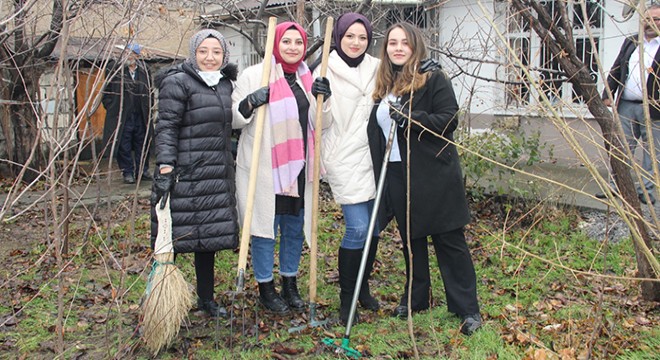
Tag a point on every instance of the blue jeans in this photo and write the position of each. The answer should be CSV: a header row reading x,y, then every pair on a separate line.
x,y
357,218
291,241
631,115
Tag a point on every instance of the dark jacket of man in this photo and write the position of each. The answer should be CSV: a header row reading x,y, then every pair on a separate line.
x,y
619,75
136,96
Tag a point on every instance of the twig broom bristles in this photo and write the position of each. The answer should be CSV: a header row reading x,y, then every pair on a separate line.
x,y
168,297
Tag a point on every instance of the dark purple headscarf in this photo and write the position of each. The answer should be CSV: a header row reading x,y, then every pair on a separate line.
x,y
343,23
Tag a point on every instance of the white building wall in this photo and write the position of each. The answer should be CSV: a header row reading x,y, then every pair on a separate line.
x,y
465,32
237,47
469,32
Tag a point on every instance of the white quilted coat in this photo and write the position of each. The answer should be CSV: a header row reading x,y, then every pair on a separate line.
x,y
345,152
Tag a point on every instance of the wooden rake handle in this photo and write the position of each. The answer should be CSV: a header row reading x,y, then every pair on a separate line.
x,y
313,249
256,148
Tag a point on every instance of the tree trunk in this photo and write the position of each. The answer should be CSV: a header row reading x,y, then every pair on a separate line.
x,y
21,65
24,131
623,179
585,86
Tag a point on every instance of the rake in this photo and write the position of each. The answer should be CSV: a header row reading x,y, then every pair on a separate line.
x,y
313,248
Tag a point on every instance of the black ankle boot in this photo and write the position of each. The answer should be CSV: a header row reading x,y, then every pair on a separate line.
x,y
290,294
349,264
366,300
212,308
269,298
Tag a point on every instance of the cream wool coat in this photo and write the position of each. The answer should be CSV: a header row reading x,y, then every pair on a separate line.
x,y
345,151
263,215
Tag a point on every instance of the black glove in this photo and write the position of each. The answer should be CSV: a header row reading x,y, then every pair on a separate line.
x,y
321,85
399,113
162,185
246,106
259,97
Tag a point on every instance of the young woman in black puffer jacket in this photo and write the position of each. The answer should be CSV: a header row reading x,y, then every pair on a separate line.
x,y
195,166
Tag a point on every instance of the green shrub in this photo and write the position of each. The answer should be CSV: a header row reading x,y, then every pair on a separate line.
x,y
508,148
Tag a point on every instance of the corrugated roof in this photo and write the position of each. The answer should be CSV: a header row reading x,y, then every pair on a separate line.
x,y
96,49
243,5
254,4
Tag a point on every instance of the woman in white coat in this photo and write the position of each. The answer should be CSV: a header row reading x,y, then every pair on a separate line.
x,y
346,156
283,193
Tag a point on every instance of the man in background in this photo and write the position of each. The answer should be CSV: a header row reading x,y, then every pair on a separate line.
x,y
127,102
626,79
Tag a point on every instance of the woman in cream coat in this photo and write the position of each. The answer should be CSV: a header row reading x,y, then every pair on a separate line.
x,y
346,156
283,198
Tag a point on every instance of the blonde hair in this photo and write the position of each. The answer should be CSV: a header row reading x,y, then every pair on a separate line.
x,y
408,79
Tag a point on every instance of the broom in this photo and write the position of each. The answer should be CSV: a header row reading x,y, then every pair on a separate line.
x,y
168,296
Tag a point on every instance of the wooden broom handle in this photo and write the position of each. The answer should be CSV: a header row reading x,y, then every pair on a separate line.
x,y
317,164
256,148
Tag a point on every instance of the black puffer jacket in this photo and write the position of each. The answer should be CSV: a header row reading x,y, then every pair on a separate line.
x,y
193,134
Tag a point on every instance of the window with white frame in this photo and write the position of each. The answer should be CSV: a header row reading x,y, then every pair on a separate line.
x,y
250,55
533,54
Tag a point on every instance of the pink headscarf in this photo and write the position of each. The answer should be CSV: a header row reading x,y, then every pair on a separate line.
x,y
279,32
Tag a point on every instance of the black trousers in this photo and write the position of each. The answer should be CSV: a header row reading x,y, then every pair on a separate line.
x,y
451,251
204,271
131,143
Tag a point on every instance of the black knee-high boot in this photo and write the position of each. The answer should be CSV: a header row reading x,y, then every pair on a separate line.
x,y
349,264
366,300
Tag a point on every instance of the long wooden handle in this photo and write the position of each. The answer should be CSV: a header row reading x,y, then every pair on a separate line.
x,y
317,164
256,148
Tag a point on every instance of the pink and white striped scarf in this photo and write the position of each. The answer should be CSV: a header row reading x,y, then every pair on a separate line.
x,y
288,151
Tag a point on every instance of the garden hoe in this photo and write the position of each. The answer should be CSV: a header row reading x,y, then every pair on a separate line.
x,y
168,295
252,180
344,347
316,188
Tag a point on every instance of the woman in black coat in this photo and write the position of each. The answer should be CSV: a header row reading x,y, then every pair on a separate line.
x,y
438,207
194,159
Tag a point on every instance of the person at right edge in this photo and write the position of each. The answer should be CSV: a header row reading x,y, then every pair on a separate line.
x,y
624,78
438,206
346,156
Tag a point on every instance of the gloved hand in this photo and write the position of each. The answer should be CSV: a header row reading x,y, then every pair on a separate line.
x,y
429,65
259,97
321,85
399,113
162,185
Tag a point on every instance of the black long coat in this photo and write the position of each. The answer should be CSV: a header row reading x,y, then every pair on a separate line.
x,y
121,96
438,202
618,76
193,134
